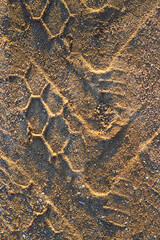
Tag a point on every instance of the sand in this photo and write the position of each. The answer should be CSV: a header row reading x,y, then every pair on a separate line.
x,y
79,119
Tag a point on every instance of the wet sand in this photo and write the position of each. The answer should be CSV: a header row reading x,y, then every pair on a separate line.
x,y
79,119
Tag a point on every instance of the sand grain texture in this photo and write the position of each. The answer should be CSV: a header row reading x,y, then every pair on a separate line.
x,y
79,119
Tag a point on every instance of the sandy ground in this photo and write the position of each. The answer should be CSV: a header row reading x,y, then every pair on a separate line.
x,y
79,119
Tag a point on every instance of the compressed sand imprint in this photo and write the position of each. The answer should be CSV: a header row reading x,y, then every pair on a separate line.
x,y
79,120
